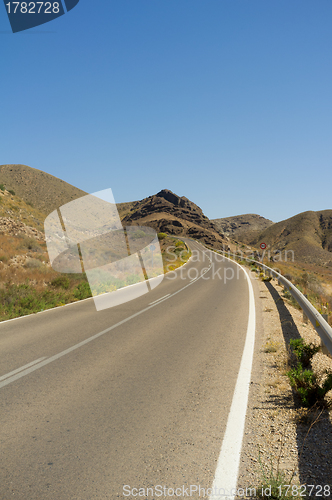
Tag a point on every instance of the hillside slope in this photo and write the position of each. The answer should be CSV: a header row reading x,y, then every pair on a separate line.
x,y
28,283
165,211
169,213
308,234
43,191
242,227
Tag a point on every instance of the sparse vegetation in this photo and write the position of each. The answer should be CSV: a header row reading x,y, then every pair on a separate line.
x,y
82,291
30,244
271,346
305,383
27,282
33,263
25,298
174,252
271,485
302,378
61,282
303,351
274,484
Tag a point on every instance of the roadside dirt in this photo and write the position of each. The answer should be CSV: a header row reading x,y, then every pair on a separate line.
x,y
280,436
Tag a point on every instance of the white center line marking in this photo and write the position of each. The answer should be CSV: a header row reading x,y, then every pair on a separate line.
x,y
9,374
46,361
161,298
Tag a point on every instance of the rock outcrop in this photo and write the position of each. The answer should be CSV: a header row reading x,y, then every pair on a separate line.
x,y
169,213
13,227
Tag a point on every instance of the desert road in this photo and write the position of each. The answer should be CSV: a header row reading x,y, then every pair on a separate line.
x,y
134,396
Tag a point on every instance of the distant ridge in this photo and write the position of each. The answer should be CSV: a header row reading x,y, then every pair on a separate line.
x,y
308,234
164,211
242,227
44,191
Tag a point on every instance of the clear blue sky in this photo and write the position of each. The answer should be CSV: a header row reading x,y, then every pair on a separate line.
x,y
226,102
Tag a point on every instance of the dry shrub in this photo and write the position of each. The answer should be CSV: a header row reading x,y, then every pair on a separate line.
x,y
33,264
7,246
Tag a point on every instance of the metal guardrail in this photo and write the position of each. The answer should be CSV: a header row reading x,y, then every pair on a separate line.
x,y
321,326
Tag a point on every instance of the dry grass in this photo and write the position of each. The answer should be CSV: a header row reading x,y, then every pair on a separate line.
x,y
42,191
28,283
271,346
17,209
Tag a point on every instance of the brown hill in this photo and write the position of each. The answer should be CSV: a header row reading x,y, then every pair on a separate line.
x,y
308,234
19,218
165,211
41,190
169,213
242,227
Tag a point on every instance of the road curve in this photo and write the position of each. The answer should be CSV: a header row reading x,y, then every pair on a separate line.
x,y
135,395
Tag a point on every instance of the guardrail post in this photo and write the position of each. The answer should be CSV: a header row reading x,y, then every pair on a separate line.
x,y
305,317
322,345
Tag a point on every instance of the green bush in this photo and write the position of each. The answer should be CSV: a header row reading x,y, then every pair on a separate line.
x,y
303,351
132,279
11,192
2,187
24,299
162,236
82,291
61,281
137,234
305,384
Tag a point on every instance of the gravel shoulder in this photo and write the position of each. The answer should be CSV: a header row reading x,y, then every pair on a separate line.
x,y
279,435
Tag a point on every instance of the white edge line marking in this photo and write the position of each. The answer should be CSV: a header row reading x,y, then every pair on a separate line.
x,y
9,374
226,475
46,361
164,297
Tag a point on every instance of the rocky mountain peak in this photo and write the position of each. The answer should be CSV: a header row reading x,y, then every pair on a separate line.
x,y
177,201
172,197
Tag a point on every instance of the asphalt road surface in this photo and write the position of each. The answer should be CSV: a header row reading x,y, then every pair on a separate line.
x,y
142,404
